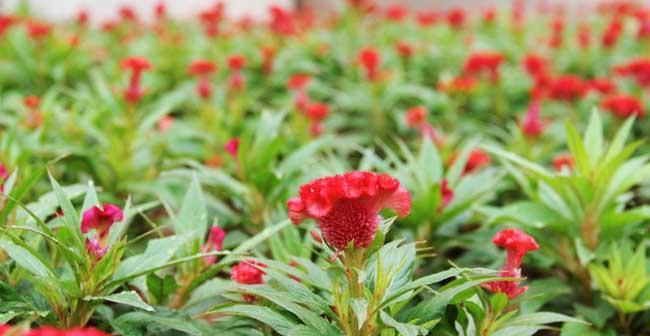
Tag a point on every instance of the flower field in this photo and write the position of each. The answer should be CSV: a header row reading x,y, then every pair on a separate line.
x,y
376,171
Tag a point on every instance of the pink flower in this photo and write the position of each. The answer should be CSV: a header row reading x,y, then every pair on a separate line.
x,y
165,123
214,243
516,243
94,248
137,65
532,125
347,206
101,219
232,147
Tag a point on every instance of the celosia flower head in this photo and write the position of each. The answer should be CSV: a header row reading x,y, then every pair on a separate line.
x,y
446,194
31,102
317,111
638,68
562,161
404,49
623,106
416,116
347,206
248,272
612,33
101,219
396,12
567,88
602,85
298,81
232,147
136,65
456,17
236,62
476,160
483,62
203,69
532,125
282,21
38,30
369,58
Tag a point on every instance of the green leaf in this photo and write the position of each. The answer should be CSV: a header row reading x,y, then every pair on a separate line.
x,y
360,309
402,328
266,315
160,288
498,302
157,253
70,216
26,259
594,137
125,324
130,298
193,218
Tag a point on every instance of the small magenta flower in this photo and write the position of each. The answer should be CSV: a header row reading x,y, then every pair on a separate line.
x,y
347,206
100,220
248,272
532,125
214,243
232,147
133,93
516,243
203,69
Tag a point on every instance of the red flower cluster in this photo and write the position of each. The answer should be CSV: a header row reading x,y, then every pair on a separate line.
x,y
133,93
211,17
51,331
404,49
396,12
317,112
639,69
100,220
203,69
347,206
612,33
236,63
602,85
456,17
517,243
623,106
369,58
248,272
484,62
282,21
567,88
38,30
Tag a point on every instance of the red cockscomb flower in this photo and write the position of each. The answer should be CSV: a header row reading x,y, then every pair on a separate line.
x,y
396,12
623,106
532,125
562,161
317,111
236,62
347,206
456,17
476,160
535,65
136,65
298,81
127,13
638,68
517,244
248,272
404,49
567,88
602,85
31,102
369,58
557,32
282,21
483,62
584,36
214,243
612,33
415,116
160,10
427,17
101,219
489,15
83,17
52,331
203,69
6,21
232,147
38,30
462,84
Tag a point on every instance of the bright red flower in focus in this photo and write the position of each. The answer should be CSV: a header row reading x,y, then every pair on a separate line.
x,y
347,206
136,65
623,106
101,219
532,125
567,88
562,161
456,17
232,147
369,58
396,12
203,69
516,243
248,272
483,62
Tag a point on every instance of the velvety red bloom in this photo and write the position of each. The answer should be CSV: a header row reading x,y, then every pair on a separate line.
x,y
483,62
446,194
165,123
602,85
584,36
562,161
137,65
535,65
52,331
232,147
101,219
396,12
427,17
638,68
83,17
298,81
476,160
623,106
38,30
489,15
347,206
246,273
31,102
416,116
4,328
517,243
236,62
567,88
282,21
404,49
203,69
317,111
160,10
456,17
369,58
532,125
612,33
127,13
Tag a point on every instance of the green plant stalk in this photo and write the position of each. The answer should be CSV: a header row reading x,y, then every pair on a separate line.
x,y
355,260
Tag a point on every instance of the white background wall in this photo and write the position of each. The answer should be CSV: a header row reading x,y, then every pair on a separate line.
x,y
102,10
